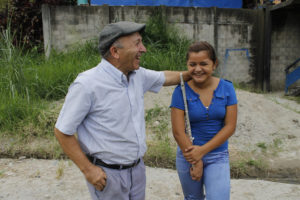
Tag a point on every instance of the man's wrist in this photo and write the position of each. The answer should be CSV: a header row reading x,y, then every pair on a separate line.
x,y
87,168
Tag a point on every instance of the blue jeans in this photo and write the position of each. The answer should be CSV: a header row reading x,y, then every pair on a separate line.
x,y
215,180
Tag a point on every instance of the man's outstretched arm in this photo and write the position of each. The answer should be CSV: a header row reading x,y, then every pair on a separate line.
x,y
173,77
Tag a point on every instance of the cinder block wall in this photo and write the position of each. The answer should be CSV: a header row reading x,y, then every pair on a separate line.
x,y
64,26
233,32
285,46
236,39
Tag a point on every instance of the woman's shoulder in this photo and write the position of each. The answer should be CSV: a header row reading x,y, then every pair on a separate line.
x,y
227,87
226,83
177,89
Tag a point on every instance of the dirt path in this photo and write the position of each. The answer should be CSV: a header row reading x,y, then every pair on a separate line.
x,y
32,179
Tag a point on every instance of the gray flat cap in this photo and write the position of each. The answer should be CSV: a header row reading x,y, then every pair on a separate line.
x,y
111,32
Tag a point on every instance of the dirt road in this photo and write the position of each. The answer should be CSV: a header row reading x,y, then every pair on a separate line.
x,y
32,179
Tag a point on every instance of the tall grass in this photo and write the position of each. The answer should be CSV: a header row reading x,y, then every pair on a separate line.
x,y
166,49
29,81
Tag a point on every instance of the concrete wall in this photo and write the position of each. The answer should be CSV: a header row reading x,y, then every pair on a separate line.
x,y
285,45
65,25
234,33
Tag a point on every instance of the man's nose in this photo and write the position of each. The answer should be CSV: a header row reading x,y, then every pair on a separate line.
x,y
143,48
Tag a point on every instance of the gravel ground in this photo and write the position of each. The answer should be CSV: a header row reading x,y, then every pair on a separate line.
x,y
34,179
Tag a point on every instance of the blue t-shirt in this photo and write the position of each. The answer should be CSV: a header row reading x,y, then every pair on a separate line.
x,y
206,123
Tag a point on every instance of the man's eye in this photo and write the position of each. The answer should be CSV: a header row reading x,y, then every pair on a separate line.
x,y
192,64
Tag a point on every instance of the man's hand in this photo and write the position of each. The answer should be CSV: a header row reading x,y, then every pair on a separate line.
x,y
96,176
193,154
196,171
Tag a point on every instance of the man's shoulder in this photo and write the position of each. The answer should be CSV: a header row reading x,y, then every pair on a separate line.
x,y
88,74
142,71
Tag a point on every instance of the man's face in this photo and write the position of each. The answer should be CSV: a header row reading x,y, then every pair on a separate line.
x,y
130,54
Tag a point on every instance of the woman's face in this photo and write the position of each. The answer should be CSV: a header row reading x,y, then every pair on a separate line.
x,y
200,66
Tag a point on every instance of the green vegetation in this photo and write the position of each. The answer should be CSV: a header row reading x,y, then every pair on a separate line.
x,y
161,145
246,166
30,87
271,148
166,49
3,4
247,88
29,82
60,170
277,142
294,98
262,145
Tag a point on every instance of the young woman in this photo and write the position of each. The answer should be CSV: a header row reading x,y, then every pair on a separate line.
x,y
212,105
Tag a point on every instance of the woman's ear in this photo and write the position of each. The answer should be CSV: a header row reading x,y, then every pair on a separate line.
x,y
215,65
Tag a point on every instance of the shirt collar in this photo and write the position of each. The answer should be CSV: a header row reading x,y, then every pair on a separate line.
x,y
218,92
118,75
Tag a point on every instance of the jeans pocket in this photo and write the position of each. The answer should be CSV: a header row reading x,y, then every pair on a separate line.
x,y
216,157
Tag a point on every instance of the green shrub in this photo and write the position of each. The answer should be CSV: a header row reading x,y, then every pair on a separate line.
x,y
166,49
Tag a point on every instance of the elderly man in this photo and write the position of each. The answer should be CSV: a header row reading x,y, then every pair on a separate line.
x,y
105,107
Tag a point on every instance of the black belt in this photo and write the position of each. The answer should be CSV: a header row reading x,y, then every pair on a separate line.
x,y
111,166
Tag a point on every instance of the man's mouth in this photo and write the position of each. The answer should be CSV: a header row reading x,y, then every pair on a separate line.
x,y
138,57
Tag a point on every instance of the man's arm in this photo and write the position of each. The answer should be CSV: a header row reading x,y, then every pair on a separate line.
x,y
173,77
95,175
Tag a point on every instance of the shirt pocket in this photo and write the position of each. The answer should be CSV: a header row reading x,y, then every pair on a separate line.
x,y
220,101
192,102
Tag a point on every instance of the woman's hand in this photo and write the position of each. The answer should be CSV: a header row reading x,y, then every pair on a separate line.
x,y
196,171
193,154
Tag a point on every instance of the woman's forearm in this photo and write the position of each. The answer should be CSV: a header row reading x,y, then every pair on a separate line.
x,y
182,140
222,136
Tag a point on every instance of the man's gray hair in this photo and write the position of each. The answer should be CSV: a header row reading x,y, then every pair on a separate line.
x,y
117,44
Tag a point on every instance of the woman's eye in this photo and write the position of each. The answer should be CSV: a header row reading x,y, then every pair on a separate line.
x,y
192,64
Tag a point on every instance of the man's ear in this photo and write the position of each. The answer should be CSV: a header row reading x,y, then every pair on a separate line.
x,y
114,52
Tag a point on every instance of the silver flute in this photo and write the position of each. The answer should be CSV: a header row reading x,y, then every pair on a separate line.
x,y
186,111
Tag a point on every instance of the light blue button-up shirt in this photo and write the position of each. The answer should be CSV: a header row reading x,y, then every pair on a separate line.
x,y
107,112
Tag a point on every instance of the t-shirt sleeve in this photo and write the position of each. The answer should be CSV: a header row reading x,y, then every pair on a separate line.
x,y
76,106
152,80
177,99
231,95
